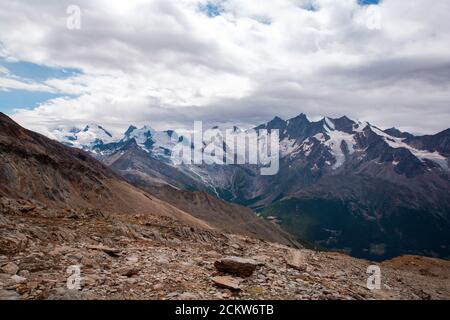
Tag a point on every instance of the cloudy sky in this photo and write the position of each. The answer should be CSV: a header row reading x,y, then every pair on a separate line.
x,y
168,63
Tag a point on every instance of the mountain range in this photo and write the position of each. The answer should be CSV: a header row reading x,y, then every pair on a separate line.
x,y
343,184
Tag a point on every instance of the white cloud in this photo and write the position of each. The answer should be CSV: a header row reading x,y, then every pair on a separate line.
x,y
168,63
7,84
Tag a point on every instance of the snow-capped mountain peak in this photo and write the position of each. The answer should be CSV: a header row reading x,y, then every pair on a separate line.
x,y
422,155
86,137
130,129
330,142
340,138
141,135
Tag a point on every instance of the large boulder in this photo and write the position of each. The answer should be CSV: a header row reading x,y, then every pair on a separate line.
x,y
10,268
242,267
297,259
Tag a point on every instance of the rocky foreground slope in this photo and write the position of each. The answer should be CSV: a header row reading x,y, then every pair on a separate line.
x,y
140,257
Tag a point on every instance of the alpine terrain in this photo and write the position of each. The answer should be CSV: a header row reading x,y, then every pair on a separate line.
x,y
343,185
72,228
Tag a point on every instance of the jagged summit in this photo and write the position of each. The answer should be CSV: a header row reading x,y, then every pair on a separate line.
x,y
275,123
397,133
130,129
276,119
300,116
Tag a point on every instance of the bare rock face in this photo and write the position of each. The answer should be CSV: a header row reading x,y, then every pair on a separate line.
x,y
227,282
236,265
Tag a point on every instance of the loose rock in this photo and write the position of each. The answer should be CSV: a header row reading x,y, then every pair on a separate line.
x,y
129,272
236,265
10,268
18,279
297,260
227,282
111,251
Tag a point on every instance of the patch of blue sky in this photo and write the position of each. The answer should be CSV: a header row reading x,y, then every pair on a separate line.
x,y
212,9
36,72
368,2
28,72
24,99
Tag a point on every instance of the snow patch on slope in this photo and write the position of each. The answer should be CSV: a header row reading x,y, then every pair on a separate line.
x,y
329,123
398,143
306,147
335,142
360,126
287,146
159,143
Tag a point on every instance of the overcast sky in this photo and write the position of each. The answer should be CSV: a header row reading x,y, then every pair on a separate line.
x,y
168,63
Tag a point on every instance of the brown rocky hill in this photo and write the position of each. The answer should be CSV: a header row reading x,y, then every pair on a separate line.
x,y
33,167
228,217
37,168
135,165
